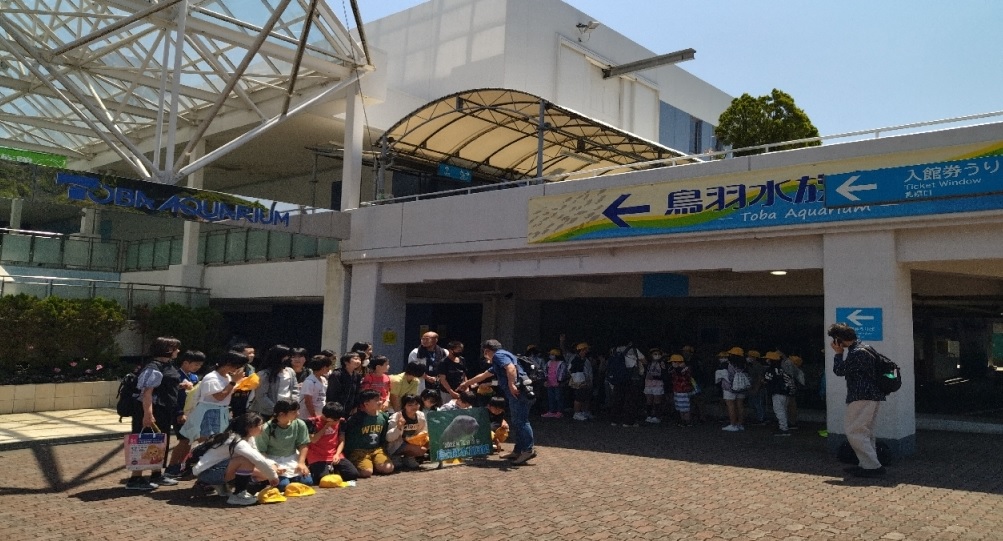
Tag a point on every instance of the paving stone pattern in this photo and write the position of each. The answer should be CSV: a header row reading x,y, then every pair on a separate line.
x,y
591,481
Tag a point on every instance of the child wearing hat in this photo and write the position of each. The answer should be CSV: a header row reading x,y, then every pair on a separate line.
x,y
557,375
781,386
682,386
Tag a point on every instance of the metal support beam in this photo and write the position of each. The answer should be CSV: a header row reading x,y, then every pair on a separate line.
x,y
648,63
252,51
541,131
139,162
195,165
294,72
172,119
120,24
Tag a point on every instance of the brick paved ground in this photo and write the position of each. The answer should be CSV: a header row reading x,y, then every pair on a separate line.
x,y
590,482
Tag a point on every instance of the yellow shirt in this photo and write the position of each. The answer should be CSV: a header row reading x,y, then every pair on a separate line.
x,y
400,386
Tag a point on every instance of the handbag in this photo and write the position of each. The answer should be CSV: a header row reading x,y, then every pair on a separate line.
x,y
145,450
578,380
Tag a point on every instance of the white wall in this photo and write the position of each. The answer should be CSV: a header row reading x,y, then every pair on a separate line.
x,y
286,279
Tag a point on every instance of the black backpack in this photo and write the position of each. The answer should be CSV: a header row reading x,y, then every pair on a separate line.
x,y
887,375
529,366
125,405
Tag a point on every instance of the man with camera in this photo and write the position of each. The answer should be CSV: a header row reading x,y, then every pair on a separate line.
x,y
863,397
513,381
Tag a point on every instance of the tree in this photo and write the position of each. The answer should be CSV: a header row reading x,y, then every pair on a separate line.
x,y
773,118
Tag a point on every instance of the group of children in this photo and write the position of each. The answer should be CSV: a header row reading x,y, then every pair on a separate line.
x,y
299,437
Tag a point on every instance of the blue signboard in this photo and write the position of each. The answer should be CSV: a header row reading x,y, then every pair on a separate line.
x,y
961,178
866,321
456,173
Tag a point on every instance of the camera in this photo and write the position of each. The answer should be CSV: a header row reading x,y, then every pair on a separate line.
x,y
525,387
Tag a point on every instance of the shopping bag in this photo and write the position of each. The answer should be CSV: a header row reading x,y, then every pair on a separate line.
x,y
146,450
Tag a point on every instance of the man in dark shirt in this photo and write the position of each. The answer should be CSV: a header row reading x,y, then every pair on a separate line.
x,y
863,397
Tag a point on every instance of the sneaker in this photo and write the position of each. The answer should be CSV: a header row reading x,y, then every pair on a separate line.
x,y
630,425
656,420
547,415
614,424
523,458
139,483
558,415
241,498
782,433
173,471
164,481
731,428
580,417
410,463
741,428
510,456
222,491
648,419
862,472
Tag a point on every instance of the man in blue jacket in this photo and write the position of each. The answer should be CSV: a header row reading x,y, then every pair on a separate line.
x,y
863,397
506,368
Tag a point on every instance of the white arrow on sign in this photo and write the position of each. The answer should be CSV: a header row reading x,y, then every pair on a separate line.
x,y
847,188
856,318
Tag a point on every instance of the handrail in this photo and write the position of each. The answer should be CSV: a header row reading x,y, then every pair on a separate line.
x,y
95,281
690,159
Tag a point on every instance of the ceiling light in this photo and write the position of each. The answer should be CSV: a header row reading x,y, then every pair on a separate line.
x,y
778,273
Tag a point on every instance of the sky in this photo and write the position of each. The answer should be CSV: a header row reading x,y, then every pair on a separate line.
x,y
849,64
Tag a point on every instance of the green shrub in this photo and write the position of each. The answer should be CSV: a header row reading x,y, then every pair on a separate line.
x,y
202,328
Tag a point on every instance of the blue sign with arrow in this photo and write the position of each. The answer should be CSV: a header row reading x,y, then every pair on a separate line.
x,y
961,178
614,210
866,321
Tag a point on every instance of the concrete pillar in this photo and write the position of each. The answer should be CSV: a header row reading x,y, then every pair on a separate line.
x,y
89,220
16,209
189,272
337,290
861,270
376,311
351,169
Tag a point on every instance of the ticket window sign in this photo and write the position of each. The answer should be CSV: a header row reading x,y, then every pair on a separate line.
x,y
866,321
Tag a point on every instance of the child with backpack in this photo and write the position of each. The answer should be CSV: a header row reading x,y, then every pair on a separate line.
x,y
654,385
211,413
231,456
191,362
735,382
781,387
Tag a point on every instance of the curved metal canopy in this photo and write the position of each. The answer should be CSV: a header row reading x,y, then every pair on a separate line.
x,y
501,134
88,78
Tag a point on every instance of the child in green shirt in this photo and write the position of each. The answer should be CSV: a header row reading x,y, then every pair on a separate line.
x,y
365,435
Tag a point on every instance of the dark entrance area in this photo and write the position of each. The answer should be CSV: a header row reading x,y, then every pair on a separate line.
x,y
295,325
460,322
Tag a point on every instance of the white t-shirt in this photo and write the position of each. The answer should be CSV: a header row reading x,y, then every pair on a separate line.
x,y
315,390
244,448
212,383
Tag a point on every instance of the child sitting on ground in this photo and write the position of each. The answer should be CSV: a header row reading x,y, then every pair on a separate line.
x,y
365,435
325,454
465,400
499,426
430,400
284,440
231,456
405,428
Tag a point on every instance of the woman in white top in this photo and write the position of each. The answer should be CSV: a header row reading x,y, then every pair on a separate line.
x,y
211,413
277,381
232,456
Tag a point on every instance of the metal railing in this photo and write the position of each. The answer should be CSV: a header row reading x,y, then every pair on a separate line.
x,y
222,247
690,159
128,295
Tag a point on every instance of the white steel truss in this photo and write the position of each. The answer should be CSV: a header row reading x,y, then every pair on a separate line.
x,y
145,78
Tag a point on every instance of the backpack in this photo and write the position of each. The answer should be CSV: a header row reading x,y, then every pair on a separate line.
x,y
196,454
740,382
887,375
125,405
530,367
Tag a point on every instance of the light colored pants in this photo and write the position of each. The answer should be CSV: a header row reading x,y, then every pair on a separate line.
x,y
780,408
861,416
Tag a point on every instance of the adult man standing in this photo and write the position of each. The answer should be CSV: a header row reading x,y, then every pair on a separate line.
x,y
863,397
506,368
430,354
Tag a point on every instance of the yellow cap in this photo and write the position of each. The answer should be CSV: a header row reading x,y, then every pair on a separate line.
x,y
271,495
295,490
753,353
676,358
796,360
581,346
555,351
773,355
332,481
736,351
249,383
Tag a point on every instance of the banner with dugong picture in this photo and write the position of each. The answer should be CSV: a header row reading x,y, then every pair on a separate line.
x,y
458,434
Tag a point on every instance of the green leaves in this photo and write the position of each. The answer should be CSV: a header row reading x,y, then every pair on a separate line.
x,y
773,118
